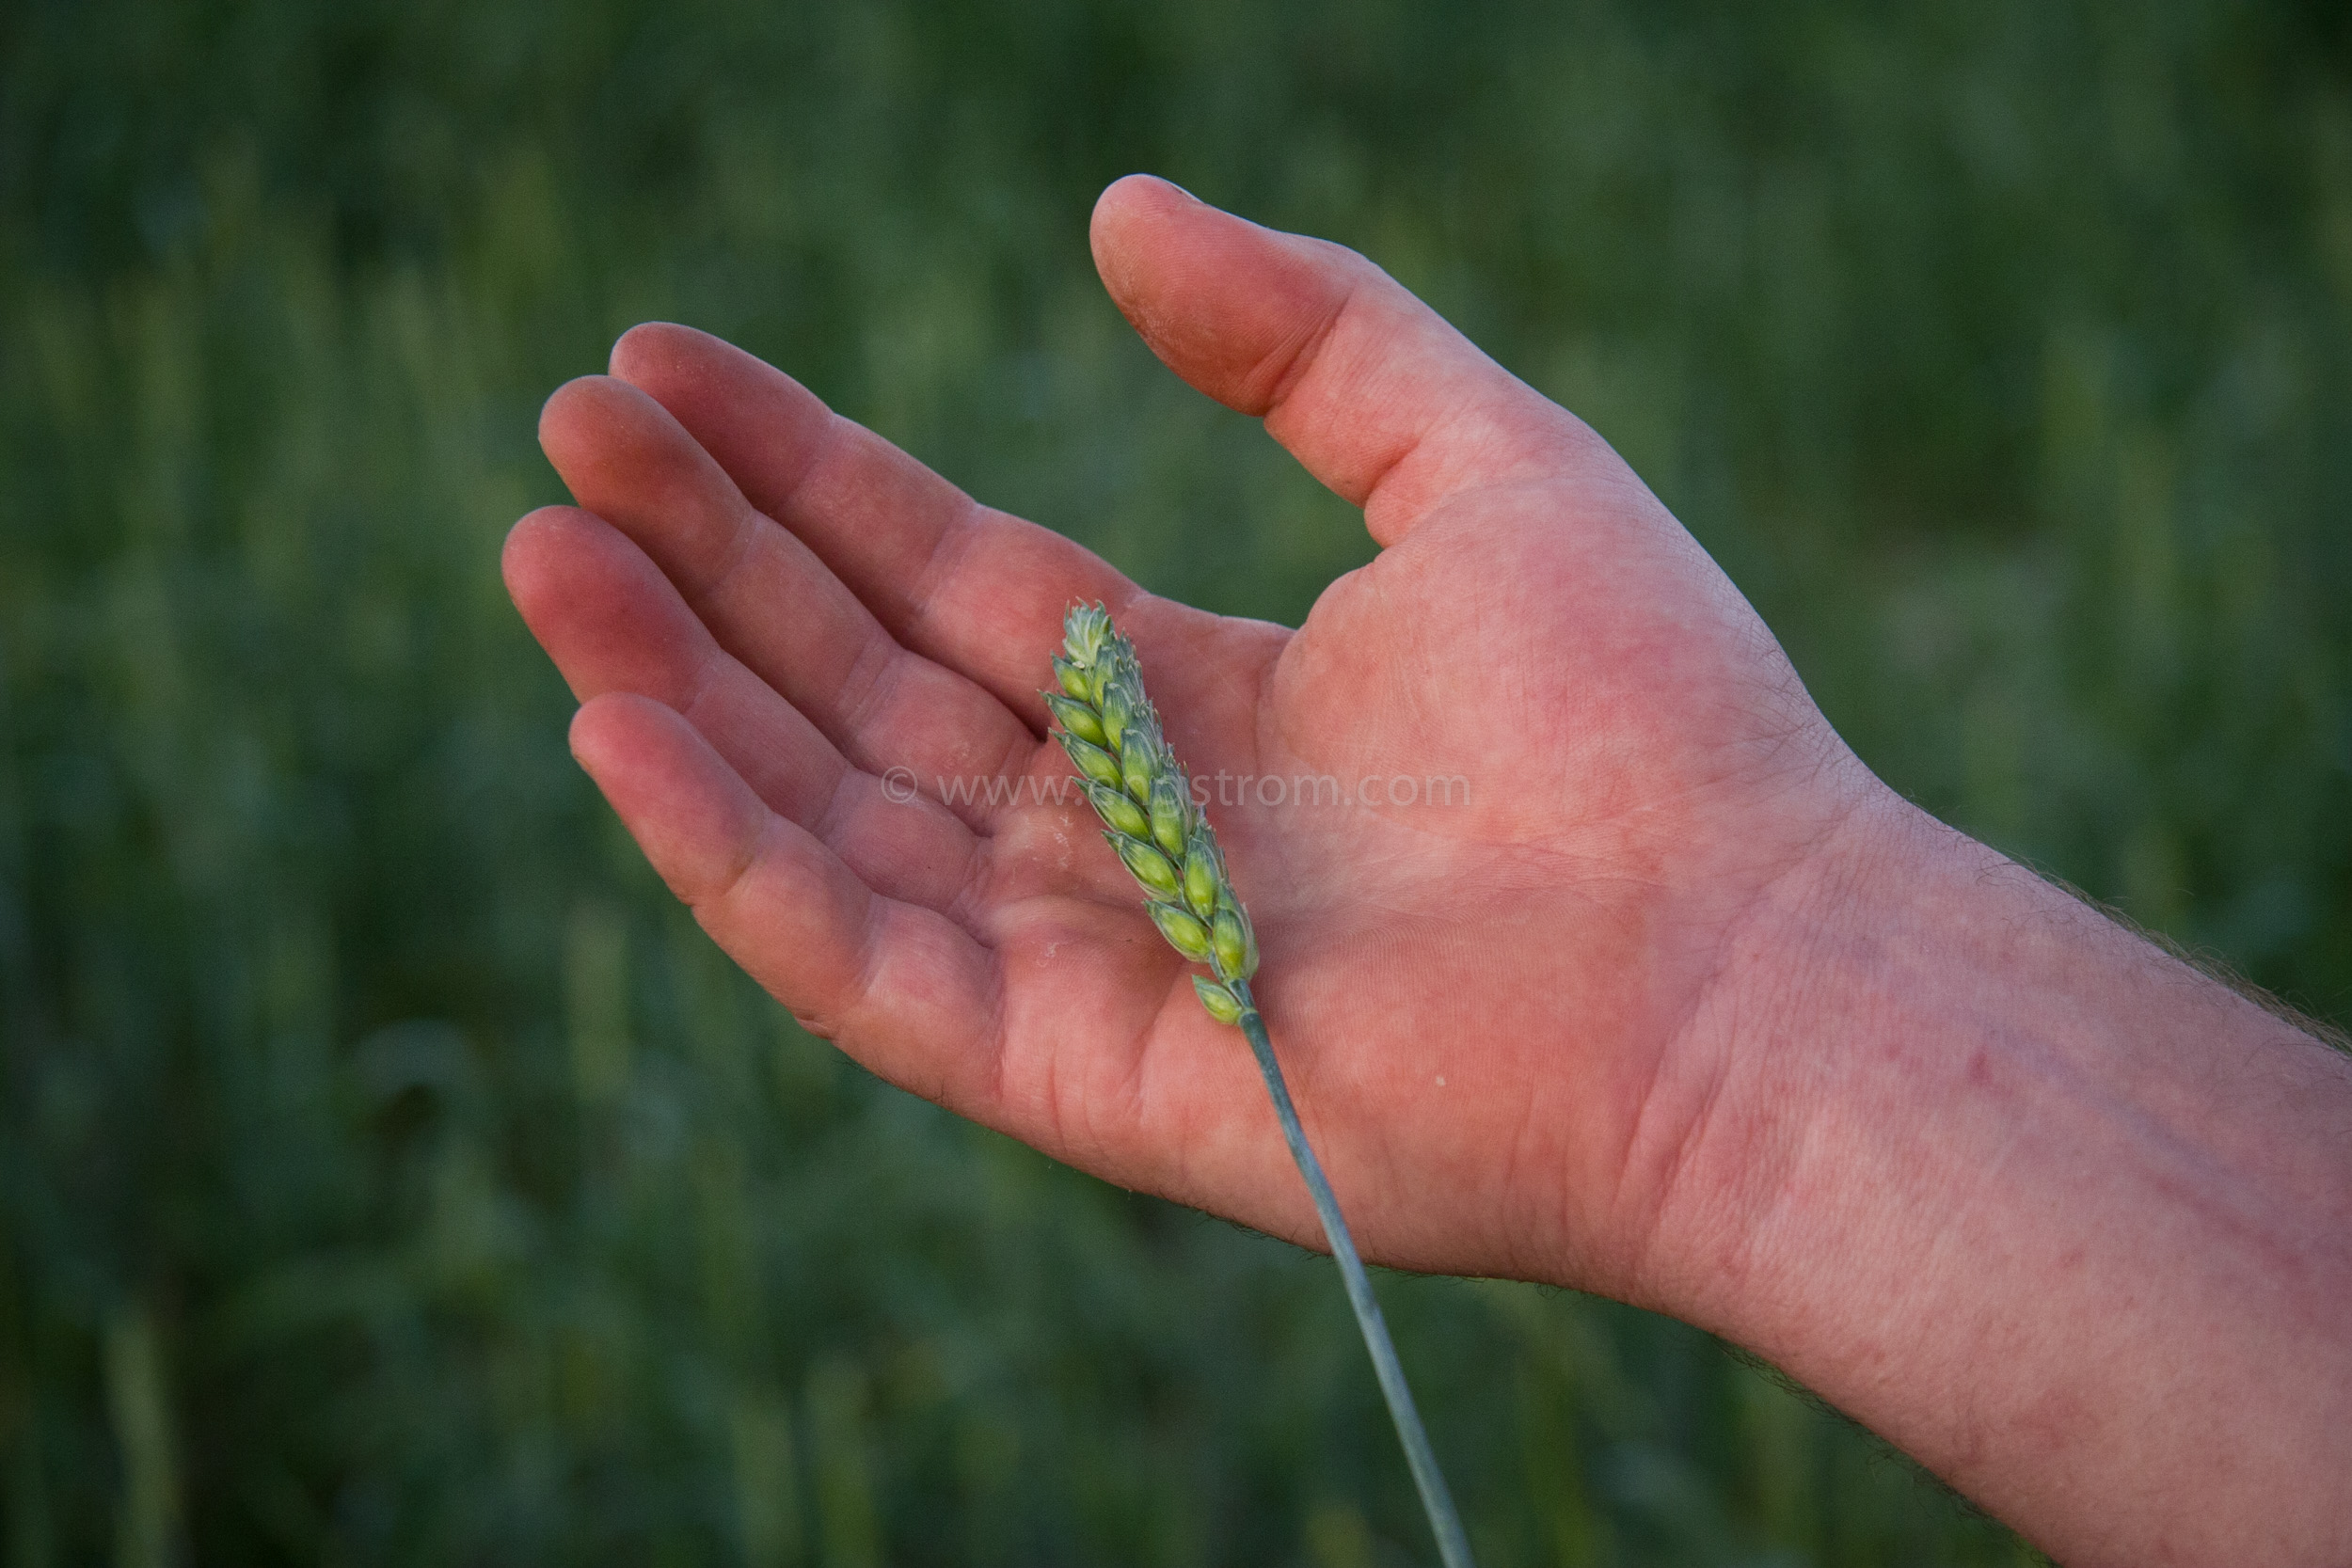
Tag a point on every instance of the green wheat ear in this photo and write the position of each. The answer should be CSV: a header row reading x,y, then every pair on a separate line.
x,y
1144,797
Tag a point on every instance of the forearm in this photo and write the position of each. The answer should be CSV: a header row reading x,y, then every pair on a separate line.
x,y
2066,1220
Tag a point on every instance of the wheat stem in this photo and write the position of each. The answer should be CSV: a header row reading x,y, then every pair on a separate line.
x,y
1453,1546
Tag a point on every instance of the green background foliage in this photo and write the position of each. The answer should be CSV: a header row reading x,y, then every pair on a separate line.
x,y
391,1174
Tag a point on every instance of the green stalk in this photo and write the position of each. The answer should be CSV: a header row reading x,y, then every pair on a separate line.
x,y
1453,1546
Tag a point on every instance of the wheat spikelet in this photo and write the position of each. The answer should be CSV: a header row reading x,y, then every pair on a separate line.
x,y
1144,797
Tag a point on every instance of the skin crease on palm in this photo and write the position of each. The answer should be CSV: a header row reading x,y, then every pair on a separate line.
x,y
1649,1015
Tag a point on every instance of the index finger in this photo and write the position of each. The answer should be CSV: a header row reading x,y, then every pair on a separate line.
x,y
975,589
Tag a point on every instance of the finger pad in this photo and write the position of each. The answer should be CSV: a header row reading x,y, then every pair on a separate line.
x,y
750,416
696,820
603,612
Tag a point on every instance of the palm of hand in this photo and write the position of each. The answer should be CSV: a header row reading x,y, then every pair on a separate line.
x,y
1485,1003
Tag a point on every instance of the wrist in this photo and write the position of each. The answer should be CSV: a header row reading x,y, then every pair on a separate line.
x,y
2045,1207
1766,1065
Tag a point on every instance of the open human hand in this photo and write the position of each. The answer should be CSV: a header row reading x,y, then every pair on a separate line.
x,y
1593,954
1500,808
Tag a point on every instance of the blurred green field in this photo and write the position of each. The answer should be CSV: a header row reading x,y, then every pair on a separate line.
x,y
388,1174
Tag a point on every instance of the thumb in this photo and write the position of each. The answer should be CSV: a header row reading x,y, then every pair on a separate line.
x,y
1369,387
